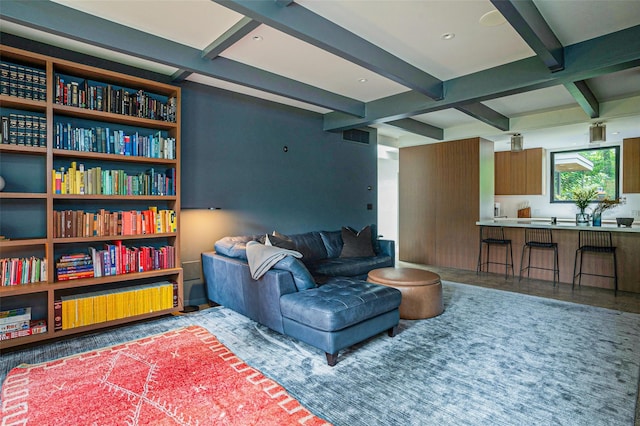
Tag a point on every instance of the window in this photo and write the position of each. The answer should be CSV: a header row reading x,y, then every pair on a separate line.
x,y
596,167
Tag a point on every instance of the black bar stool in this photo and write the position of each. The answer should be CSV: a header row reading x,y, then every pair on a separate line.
x,y
595,242
494,236
539,238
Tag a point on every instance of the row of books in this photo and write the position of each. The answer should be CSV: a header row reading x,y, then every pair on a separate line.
x,y
74,266
108,305
98,96
25,270
104,140
95,181
78,223
23,81
18,323
24,129
118,259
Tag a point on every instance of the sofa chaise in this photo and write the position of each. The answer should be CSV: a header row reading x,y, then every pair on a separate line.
x,y
321,299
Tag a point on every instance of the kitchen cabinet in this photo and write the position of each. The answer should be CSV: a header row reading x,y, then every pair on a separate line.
x,y
520,173
631,166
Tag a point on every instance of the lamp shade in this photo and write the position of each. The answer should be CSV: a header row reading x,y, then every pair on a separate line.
x,y
597,133
517,142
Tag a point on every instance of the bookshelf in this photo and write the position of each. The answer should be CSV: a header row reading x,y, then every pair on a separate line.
x,y
135,151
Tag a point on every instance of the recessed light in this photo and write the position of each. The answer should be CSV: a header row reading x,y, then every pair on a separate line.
x,y
615,133
362,80
447,36
492,19
257,38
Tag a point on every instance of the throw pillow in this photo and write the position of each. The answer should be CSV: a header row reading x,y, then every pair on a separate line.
x,y
279,240
357,244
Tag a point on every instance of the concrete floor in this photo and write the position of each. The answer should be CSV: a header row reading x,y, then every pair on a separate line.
x,y
604,298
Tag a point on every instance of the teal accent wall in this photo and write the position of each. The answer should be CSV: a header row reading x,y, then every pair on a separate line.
x,y
272,165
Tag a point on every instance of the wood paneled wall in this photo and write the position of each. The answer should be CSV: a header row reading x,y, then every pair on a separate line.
x,y
441,194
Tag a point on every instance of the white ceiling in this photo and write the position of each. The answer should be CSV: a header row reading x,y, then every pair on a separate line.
x,y
410,30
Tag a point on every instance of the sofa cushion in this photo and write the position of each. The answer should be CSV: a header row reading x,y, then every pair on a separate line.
x,y
348,266
332,242
310,245
356,244
340,303
235,247
301,275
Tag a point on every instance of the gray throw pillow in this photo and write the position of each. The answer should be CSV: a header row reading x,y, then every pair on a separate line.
x,y
357,244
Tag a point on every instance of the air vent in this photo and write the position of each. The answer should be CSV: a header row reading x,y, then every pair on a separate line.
x,y
356,135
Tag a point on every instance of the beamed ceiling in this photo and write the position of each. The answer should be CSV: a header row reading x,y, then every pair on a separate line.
x,y
542,68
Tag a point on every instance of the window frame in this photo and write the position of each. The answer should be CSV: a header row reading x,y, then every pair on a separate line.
x,y
552,167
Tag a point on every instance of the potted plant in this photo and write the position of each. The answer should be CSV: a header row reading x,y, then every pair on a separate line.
x,y
582,197
603,205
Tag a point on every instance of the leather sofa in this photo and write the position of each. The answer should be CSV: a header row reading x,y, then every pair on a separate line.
x,y
321,299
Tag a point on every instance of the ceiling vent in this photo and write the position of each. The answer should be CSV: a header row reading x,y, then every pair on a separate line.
x,y
597,133
517,141
356,135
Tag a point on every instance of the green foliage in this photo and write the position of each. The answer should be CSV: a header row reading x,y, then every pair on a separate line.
x,y
582,196
602,177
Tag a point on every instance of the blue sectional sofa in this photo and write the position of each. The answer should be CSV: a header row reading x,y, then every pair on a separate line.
x,y
321,298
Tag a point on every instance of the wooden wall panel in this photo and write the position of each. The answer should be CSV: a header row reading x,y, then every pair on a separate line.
x,y
458,169
416,209
440,203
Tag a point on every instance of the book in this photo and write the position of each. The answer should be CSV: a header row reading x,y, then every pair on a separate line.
x,y
14,315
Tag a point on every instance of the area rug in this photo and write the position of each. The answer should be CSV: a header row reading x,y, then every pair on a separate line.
x,y
182,377
492,358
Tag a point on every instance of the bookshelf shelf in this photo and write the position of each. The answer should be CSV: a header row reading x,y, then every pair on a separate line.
x,y
23,195
71,111
7,101
112,157
34,199
112,238
24,242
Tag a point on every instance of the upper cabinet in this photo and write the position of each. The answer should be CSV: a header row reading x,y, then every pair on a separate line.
x,y
631,166
520,173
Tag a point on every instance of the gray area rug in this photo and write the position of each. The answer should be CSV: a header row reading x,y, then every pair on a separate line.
x,y
492,358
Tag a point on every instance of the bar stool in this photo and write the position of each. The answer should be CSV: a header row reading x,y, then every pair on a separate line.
x,y
494,236
595,242
539,238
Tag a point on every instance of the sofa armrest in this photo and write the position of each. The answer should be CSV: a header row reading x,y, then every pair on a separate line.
x,y
388,248
228,282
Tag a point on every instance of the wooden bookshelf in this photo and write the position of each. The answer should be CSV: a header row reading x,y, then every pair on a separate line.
x,y
35,197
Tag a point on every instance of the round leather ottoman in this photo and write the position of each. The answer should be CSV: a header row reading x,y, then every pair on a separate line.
x,y
421,290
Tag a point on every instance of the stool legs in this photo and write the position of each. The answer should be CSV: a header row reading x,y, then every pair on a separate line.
x,y
556,262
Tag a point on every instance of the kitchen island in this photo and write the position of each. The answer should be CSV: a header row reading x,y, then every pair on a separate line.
x,y
565,233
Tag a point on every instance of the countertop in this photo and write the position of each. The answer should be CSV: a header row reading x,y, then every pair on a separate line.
x,y
565,224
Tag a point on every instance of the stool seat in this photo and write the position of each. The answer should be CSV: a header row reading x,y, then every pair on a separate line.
x,y
539,238
421,290
494,236
595,242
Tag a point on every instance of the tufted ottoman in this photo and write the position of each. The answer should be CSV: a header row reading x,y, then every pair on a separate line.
x,y
340,313
421,290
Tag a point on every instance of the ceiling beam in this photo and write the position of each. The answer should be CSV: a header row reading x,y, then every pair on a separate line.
x,y
588,59
234,34
525,18
418,127
584,97
481,112
70,23
305,25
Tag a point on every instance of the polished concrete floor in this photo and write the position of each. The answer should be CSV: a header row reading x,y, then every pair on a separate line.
x,y
604,298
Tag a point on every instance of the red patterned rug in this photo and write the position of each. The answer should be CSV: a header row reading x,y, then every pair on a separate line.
x,y
183,377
